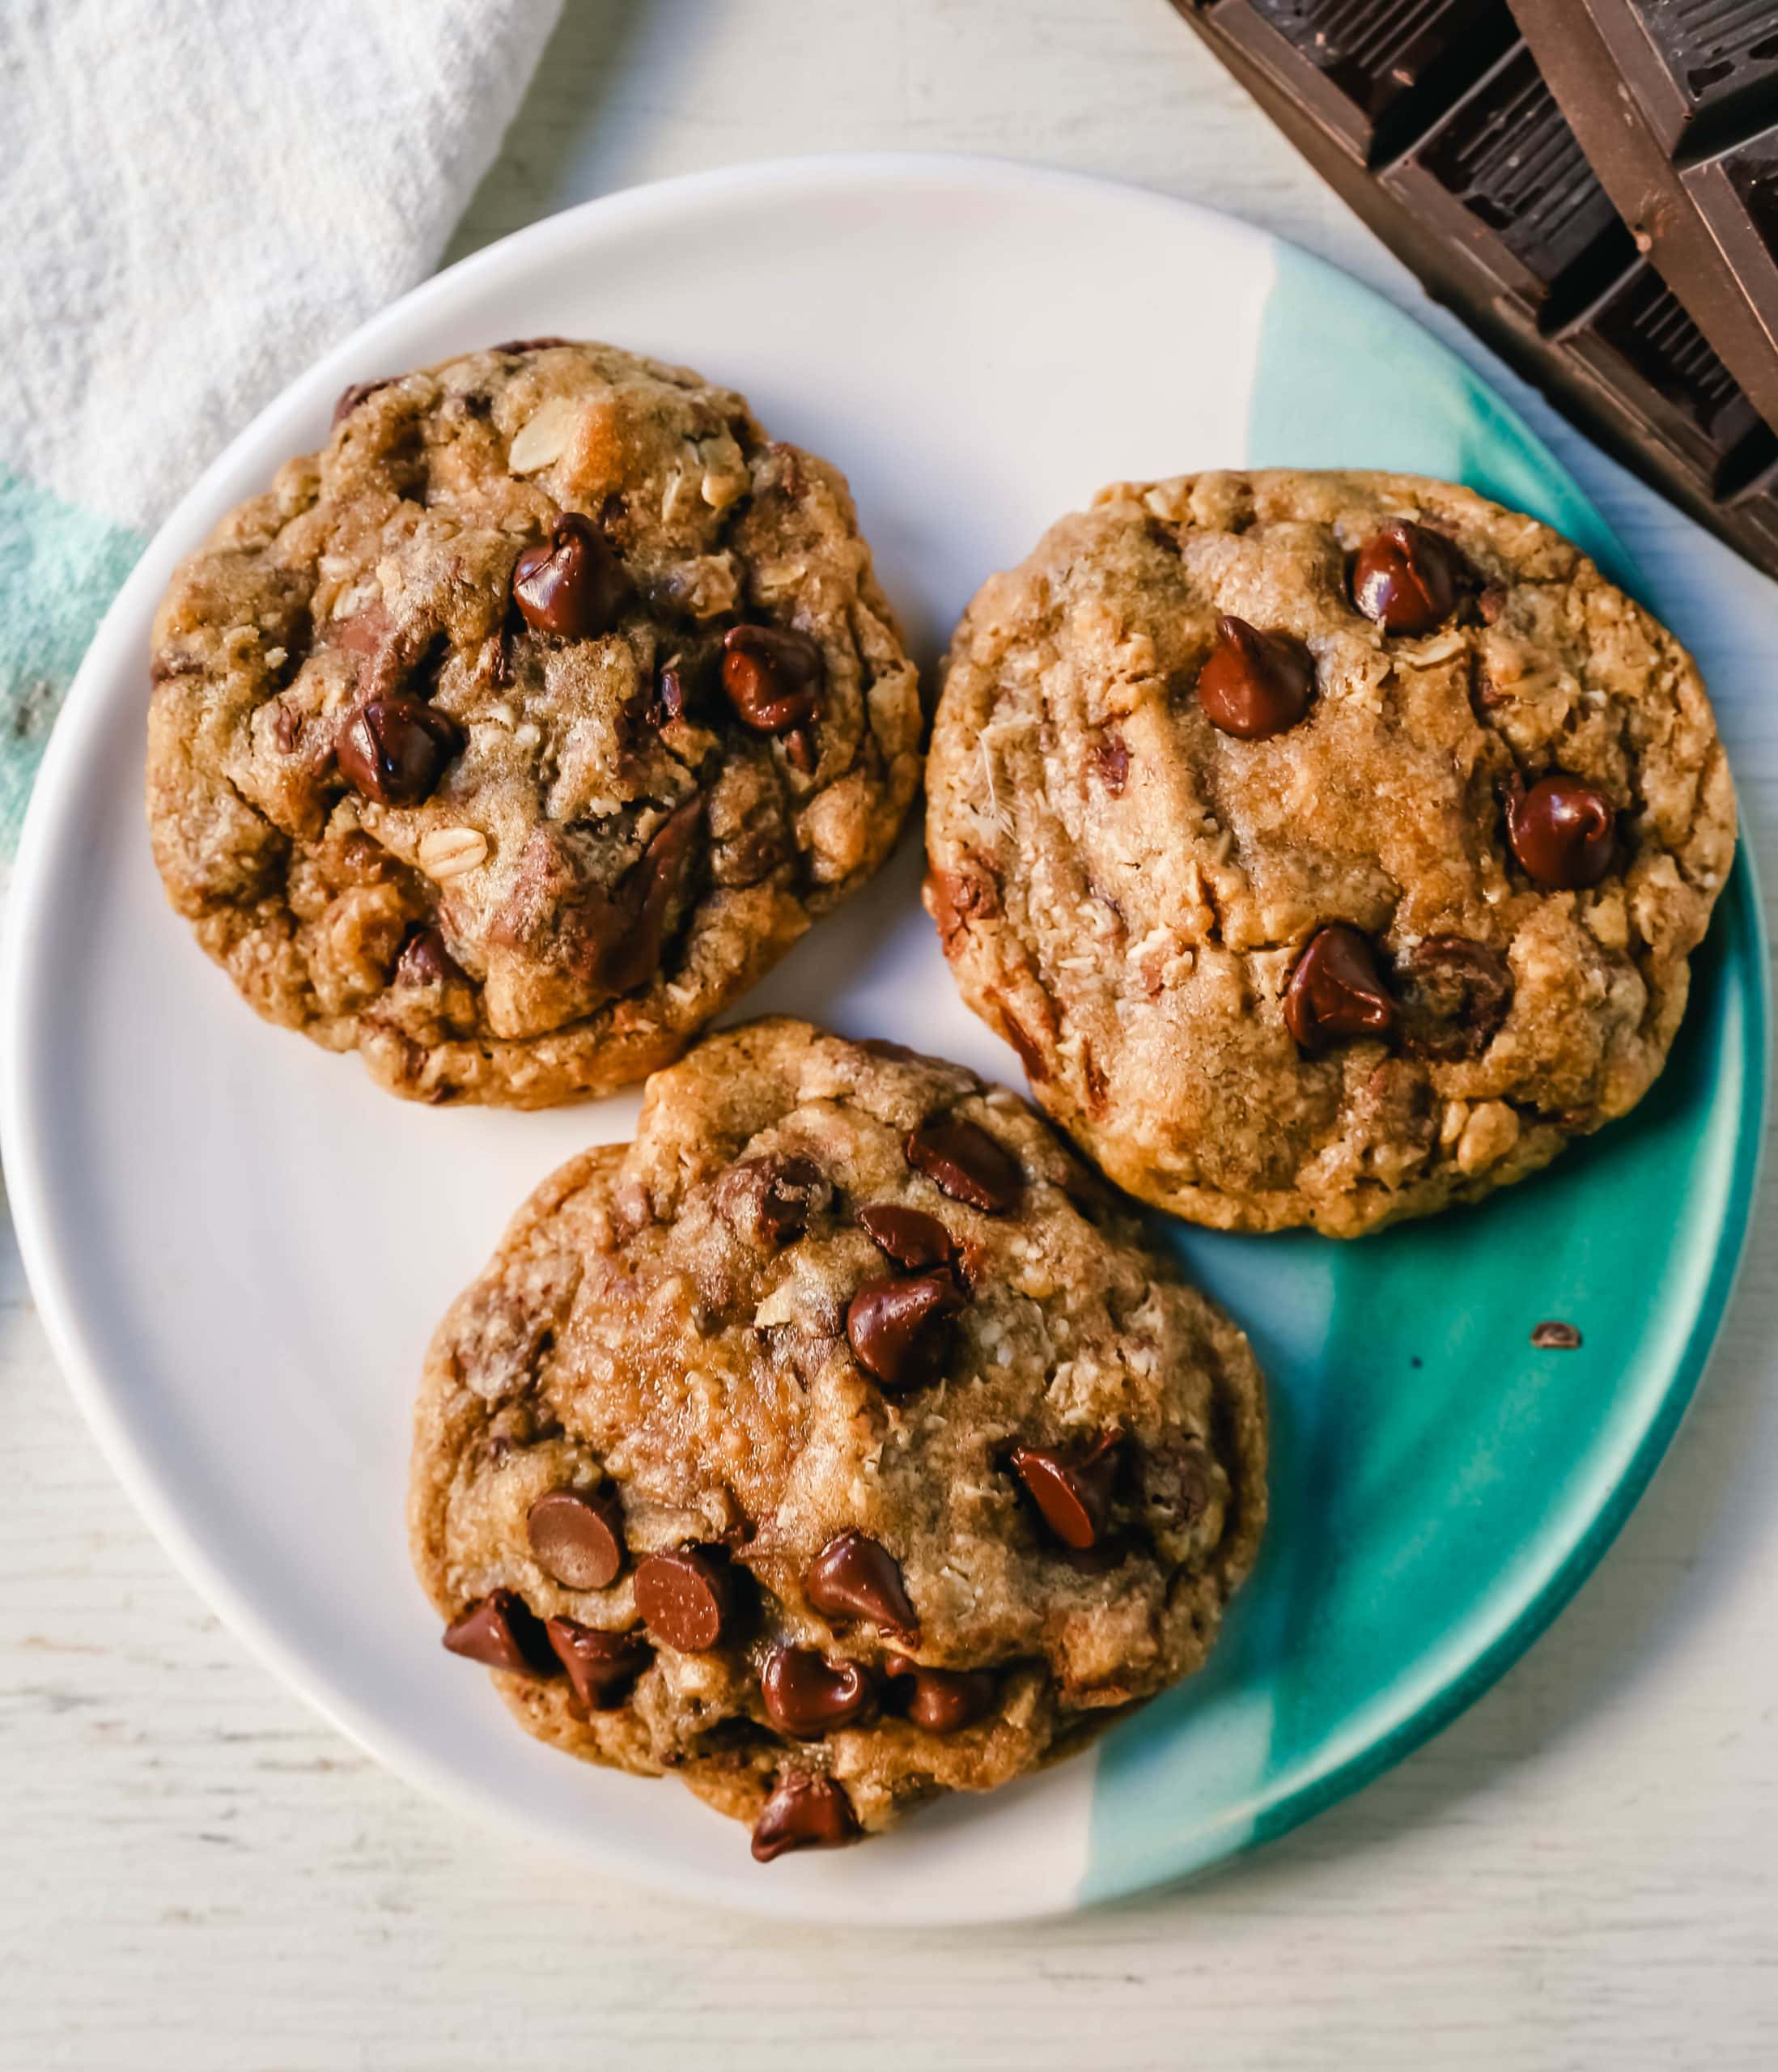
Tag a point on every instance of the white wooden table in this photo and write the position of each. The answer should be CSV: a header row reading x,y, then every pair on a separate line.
x,y
195,1873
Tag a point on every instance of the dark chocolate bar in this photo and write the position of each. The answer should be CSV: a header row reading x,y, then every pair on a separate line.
x,y
1435,120
1675,102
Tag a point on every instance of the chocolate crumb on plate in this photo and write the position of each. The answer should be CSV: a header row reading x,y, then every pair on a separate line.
x,y
1553,1335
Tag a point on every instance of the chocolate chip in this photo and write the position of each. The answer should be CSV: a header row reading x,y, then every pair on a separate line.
x,y
1335,990
807,1695
803,1812
962,1160
944,1700
910,1236
771,1198
1174,1481
502,1631
772,676
1192,1488
571,584
1553,1335
1111,760
670,696
600,1666
528,345
801,752
577,1536
1451,996
350,398
426,961
623,934
894,1326
394,748
686,684
1254,685
999,1014
1562,831
1407,578
1093,1073
1071,1486
685,1597
854,1576
957,900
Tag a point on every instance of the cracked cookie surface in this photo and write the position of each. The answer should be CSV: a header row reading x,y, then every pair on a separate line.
x,y
838,1443
1331,846
512,735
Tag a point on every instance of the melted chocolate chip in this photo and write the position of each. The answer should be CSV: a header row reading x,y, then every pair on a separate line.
x,y
502,1631
350,398
686,685
944,1700
1031,1055
962,1160
957,899
971,1263
288,726
528,345
601,1666
685,1597
1562,831
807,1695
1407,578
671,695
1173,1481
1071,1486
426,961
394,748
803,1812
1335,990
772,676
624,934
1254,685
894,1326
1111,759
910,1236
854,1576
577,1536
571,584
1451,996
800,751
771,1198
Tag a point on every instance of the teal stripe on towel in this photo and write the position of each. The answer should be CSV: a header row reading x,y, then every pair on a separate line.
x,y
59,568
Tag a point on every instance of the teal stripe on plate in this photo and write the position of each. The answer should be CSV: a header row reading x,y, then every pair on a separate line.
x,y
1439,1488
60,567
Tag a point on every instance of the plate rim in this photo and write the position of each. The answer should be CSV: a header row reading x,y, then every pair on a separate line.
x,y
26,965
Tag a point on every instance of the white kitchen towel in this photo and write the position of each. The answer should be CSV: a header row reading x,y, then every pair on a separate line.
x,y
199,196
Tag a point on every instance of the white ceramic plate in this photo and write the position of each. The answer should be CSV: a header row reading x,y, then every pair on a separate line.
x,y
240,1245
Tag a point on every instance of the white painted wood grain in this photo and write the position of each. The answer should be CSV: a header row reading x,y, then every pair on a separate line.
x,y
196,1873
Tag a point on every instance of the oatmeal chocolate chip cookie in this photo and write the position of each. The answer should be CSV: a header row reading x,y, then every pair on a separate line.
x,y
1329,847
837,1443
518,731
